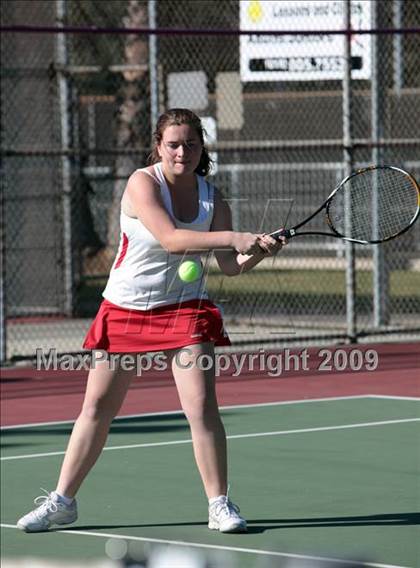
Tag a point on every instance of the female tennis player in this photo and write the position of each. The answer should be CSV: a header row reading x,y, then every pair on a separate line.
x,y
168,210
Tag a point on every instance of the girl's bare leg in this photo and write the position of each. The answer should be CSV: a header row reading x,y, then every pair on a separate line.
x,y
105,393
196,389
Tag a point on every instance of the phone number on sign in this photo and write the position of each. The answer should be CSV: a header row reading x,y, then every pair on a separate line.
x,y
298,64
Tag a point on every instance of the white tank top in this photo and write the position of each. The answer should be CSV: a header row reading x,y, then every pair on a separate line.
x,y
145,275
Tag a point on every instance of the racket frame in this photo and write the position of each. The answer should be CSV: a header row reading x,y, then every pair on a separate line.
x,y
292,232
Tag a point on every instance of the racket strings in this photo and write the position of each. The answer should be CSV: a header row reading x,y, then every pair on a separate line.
x,y
374,205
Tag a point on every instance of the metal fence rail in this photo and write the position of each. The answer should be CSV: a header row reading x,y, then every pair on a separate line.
x,y
76,118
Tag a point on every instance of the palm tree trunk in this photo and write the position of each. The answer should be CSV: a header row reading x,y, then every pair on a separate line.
x,y
132,118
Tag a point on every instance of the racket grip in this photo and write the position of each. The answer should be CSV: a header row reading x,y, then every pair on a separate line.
x,y
282,233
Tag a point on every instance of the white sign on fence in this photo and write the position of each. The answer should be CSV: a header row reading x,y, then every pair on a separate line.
x,y
210,138
302,57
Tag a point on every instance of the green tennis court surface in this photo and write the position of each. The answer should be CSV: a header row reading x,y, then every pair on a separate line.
x,y
335,478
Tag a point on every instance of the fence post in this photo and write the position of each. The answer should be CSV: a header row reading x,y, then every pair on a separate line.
x,y
3,330
153,72
380,265
65,122
398,52
348,165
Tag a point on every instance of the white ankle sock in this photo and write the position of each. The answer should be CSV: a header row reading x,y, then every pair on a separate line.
x,y
214,499
63,498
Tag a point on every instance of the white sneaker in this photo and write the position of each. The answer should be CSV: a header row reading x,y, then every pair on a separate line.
x,y
50,511
224,516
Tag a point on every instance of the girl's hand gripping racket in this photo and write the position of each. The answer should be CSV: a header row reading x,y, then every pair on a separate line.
x,y
370,206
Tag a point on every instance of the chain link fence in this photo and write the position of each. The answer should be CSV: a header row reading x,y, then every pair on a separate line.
x,y
76,120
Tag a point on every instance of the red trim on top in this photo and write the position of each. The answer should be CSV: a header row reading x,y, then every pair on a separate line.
x,y
123,251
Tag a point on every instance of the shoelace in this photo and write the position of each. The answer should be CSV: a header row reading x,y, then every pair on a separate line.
x,y
46,504
226,507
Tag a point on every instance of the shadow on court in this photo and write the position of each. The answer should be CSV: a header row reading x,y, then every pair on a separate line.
x,y
144,424
263,525
9,445
140,429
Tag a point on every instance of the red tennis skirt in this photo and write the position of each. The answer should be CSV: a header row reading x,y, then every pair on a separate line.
x,y
122,330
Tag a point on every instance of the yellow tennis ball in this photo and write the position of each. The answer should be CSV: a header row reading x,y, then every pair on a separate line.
x,y
189,271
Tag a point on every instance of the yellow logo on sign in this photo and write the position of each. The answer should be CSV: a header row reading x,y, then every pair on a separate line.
x,y
255,12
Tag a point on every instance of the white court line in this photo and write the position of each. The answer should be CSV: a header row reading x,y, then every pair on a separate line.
x,y
231,407
230,437
392,397
215,546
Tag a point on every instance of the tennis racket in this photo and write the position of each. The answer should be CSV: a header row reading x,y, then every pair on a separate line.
x,y
370,206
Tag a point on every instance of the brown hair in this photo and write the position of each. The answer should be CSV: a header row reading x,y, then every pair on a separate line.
x,y
178,116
